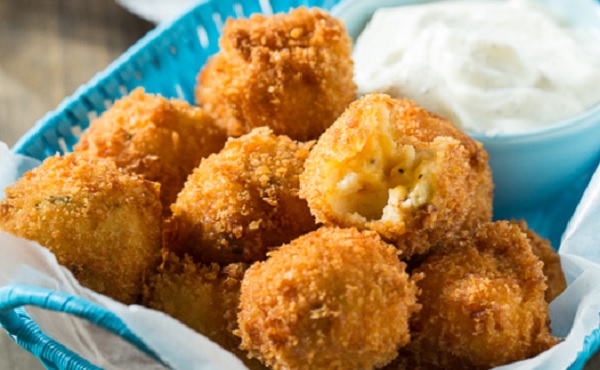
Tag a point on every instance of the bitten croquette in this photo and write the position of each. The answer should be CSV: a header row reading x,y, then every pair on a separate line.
x,y
291,72
101,223
389,166
162,140
331,299
242,201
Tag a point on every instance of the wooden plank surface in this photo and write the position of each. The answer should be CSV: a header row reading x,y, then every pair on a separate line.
x,y
47,49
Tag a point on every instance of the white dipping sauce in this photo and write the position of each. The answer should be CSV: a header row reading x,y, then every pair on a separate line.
x,y
487,66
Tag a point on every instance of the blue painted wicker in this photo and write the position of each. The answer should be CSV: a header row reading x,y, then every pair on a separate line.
x,y
27,333
165,61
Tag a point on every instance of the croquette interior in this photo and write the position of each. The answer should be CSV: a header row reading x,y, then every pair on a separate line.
x,y
385,180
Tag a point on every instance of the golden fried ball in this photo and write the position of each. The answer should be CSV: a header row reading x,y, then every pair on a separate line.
x,y
331,299
389,166
553,271
145,134
242,201
203,297
292,72
482,302
101,223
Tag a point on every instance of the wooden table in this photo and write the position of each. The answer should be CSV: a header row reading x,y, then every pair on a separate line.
x,y
47,49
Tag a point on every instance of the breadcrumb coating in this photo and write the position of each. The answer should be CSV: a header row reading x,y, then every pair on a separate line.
x,y
242,201
541,247
292,72
145,134
203,297
331,299
389,166
101,223
482,302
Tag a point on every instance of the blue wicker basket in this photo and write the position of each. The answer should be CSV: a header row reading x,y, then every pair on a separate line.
x,y
166,62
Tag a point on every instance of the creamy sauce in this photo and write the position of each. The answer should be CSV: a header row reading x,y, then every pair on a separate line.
x,y
487,66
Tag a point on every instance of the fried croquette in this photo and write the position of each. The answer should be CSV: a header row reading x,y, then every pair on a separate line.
x,y
242,201
101,223
541,247
203,297
145,134
389,166
331,299
482,302
292,72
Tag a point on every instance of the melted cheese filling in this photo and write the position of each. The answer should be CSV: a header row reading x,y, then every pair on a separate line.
x,y
385,181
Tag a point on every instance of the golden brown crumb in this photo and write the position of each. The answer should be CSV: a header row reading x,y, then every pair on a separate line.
x,y
102,224
482,302
331,299
389,166
145,134
552,268
242,201
292,72
203,297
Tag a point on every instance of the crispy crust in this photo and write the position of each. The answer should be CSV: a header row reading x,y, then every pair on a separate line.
x,y
541,247
203,297
145,134
331,299
102,224
483,302
242,201
292,72
378,136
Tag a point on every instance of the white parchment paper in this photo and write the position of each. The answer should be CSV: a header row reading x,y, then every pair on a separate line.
x,y
575,313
